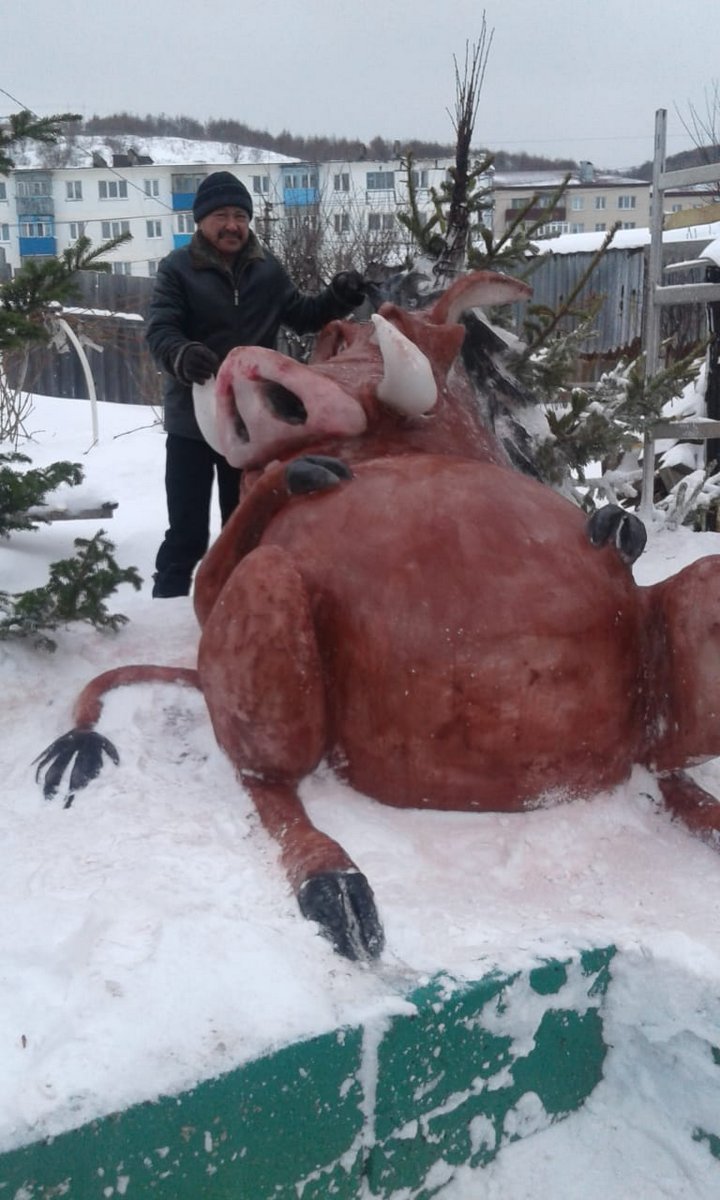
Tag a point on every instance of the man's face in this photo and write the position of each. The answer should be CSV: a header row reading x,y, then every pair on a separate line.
x,y
227,229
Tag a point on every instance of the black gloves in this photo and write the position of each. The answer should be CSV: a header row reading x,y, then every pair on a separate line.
x,y
197,363
349,288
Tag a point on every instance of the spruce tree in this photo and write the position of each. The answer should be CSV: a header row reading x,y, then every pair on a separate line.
x,y
77,587
602,424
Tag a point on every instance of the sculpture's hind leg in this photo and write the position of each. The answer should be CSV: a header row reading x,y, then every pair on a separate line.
x,y
261,675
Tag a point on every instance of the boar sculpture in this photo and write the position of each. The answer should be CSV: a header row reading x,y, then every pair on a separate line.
x,y
393,598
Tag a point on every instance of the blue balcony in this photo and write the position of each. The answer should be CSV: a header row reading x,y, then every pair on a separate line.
x,y
32,247
181,239
183,201
301,197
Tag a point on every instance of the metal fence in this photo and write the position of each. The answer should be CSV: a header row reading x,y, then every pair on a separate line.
x,y
620,278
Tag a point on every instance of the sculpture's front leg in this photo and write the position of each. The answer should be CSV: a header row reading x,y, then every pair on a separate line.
x,y
243,532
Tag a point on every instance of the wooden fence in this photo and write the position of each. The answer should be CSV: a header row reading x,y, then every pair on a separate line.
x,y
108,317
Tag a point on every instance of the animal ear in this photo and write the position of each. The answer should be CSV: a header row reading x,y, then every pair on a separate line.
x,y
408,384
205,405
477,290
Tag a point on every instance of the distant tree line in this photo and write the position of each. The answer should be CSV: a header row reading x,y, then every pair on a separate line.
x,y
314,149
697,157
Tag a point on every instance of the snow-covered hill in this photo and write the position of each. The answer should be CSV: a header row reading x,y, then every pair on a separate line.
x,y
79,151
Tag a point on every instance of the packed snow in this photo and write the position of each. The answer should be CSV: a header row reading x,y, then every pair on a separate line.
x,y
150,939
627,239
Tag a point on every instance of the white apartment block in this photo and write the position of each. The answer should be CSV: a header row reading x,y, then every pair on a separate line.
x,y
45,210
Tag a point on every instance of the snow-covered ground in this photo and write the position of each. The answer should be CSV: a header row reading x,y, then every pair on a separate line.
x,y
150,940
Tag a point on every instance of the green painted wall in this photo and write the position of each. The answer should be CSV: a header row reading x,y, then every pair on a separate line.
x,y
395,1105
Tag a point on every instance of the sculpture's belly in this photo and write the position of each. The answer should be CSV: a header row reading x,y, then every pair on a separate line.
x,y
479,652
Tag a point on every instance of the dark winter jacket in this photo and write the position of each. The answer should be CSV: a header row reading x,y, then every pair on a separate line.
x,y
198,297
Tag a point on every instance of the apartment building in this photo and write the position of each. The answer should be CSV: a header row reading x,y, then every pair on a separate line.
x,y
44,210
593,201
698,204
353,205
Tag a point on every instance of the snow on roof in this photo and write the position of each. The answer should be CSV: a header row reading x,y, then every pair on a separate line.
x,y
553,179
625,239
163,151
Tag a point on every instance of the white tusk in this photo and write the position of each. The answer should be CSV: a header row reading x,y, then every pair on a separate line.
x,y
408,384
205,405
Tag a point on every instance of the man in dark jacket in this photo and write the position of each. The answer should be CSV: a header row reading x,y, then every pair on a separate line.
x,y
220,291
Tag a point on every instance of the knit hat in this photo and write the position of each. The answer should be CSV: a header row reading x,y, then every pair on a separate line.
x,y
219,190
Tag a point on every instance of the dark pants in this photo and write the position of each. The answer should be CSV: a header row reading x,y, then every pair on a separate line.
x,y
189,469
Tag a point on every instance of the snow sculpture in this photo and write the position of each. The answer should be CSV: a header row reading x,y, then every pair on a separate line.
x,y
392,597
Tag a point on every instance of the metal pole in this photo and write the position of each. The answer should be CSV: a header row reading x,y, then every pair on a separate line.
x,y
652,310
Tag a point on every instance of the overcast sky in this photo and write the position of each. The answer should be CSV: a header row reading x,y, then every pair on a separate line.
x,y
573,78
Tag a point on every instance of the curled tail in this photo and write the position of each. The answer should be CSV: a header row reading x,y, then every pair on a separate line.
x,y
80,751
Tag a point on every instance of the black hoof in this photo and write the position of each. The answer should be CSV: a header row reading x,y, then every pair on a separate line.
x,y
624,529
315,473
343,905
86,747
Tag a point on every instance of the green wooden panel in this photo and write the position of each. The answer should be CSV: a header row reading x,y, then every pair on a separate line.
x,y
389,1108
252,1133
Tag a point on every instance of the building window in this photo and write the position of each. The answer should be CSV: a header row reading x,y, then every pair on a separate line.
x,y
628,225
304,179
577,202
342,222
260,185
600,202
35,229
73,189
380,221
420,178
113,229
577,227
626,202
154,229
600,227
153,265
4,233
122,268
77,230
152,187
341,183
380,181
3,191
554,229
186,183
185,223
676,208
33,187
112,189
